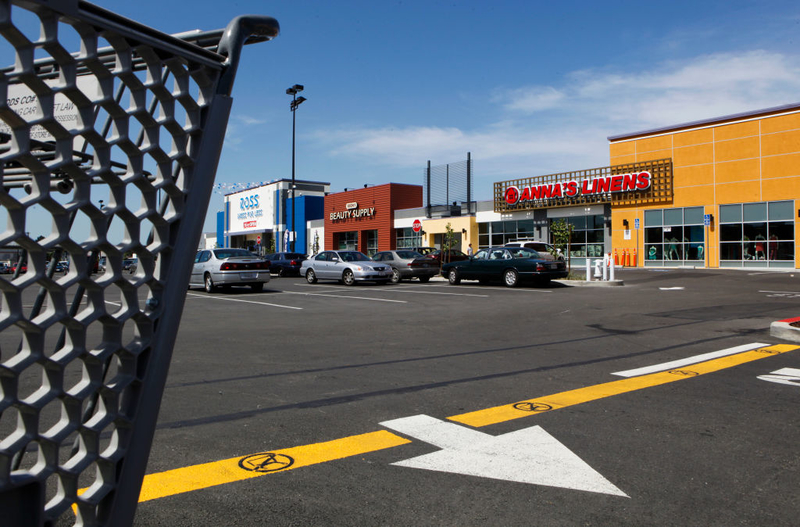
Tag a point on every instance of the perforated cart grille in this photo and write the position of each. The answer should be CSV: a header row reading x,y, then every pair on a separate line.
x,y
110,135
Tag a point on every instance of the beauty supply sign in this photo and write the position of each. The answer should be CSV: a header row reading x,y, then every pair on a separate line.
x,y
600,185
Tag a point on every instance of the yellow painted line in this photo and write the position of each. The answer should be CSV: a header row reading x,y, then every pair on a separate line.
x,y
507,412
179,480
206,475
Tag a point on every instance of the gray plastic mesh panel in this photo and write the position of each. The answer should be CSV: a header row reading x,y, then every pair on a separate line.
x,y
100,135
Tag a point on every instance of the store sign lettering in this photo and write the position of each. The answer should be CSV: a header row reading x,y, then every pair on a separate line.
x,y
611,184
250,214
353,213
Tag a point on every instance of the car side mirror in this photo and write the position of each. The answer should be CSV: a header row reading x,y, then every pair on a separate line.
x,y
335,259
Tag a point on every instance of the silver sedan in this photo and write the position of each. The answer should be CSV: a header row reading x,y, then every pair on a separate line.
x,y
345,266
406,263
227,267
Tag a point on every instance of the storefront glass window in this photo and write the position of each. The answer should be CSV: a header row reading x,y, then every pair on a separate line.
x,y
730,213
348,241
525,229
757,234
587,239
674,237
372,242
652,217
407,238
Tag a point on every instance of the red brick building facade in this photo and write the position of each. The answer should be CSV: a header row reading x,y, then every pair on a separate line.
x,y
363,219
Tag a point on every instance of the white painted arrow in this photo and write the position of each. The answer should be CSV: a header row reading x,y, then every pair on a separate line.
x,y
789,376
530,455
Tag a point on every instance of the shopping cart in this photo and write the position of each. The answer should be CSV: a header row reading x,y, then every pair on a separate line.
x,y
110,136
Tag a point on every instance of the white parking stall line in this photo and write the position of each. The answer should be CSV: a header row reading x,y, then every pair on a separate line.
x,y
778,294
497,288
242,300
418,291
689,360
345,296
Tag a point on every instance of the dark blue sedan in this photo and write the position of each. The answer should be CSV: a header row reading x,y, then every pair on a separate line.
x,y
285,264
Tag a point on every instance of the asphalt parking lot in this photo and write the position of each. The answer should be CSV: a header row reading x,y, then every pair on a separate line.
x,y
431,404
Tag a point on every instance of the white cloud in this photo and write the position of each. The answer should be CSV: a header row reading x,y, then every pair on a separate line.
x,y
249,120
530,99
573,118
674,92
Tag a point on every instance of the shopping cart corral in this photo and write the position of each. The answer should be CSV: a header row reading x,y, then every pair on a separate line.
x,y
110,134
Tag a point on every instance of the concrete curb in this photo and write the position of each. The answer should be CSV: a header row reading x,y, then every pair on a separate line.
x,y
593,283
783,329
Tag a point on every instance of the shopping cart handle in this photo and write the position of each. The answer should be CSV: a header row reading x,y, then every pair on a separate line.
x,y
245,29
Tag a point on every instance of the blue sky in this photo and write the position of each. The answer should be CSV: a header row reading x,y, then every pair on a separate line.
x,y
528,87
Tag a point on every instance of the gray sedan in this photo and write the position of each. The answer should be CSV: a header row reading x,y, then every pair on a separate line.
x,y
345,266
227,267
406,263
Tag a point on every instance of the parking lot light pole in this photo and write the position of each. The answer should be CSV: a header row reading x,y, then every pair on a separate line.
x,y
296,101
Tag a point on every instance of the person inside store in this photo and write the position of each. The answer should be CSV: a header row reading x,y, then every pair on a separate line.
x,y
760,254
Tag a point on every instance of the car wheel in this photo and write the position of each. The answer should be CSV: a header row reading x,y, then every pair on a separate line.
x,y
257,288
348,278
453,277
511,277
209,284
424,279
311,276
396,276
281,272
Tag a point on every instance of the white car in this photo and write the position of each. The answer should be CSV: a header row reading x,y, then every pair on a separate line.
x,y
345,266
227,267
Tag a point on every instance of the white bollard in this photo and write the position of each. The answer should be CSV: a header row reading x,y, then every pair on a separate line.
x,y
605,268
611,272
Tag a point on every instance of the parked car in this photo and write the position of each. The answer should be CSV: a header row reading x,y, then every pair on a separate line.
x,y
453,255
408,264
545,250
60,266
130,264
424,251
227,267
348,267
285,264
512,265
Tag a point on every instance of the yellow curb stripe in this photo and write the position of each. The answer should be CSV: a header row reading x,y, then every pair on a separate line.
x,y
547,403
179,480
206,475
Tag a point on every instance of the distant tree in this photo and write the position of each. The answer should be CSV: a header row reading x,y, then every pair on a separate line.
x,y
561,232
450,241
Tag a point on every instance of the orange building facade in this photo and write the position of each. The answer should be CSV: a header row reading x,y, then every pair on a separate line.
x,y
735,193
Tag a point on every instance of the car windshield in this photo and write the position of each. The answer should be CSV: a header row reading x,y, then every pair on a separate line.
x,y
221,254
523,253
408,255
353,256
425,250
294,256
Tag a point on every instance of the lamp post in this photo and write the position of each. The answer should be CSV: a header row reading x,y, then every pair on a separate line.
x,y
296,101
